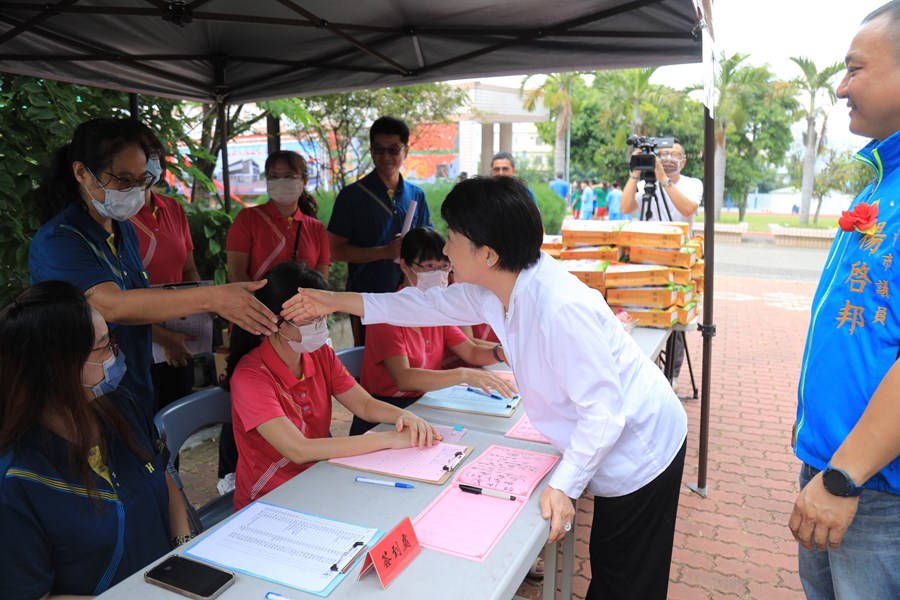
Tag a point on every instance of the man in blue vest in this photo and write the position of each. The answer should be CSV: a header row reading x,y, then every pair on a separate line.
x,y
847,433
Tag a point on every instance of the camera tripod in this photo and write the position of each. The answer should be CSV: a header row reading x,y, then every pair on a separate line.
x,y
651,198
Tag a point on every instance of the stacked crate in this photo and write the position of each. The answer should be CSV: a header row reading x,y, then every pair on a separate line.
x,y
650,270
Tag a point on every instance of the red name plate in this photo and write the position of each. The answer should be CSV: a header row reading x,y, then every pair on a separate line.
x,y
393,553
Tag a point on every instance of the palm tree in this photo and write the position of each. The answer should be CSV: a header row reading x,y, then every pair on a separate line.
x,y
621,96
736,83
556,92
814,85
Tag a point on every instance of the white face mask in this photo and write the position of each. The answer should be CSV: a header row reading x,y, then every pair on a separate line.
x,y
312,337
119,205
154,169
429,279
284,191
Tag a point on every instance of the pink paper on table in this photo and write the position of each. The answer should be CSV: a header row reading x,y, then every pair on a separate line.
x,y
426,464
470,525
524,430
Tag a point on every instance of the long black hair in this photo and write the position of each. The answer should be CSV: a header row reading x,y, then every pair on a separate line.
x,y
46,336
94,143
282,282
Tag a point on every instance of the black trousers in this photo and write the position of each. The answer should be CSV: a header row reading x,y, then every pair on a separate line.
x,y
171,383
632,537
359,427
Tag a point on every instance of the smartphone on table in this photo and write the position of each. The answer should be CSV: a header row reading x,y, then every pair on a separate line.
x,y
190,578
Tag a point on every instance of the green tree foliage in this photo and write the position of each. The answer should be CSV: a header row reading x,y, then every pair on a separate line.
x,y
841,173
36,118
758,142
557,94
340,122
816,88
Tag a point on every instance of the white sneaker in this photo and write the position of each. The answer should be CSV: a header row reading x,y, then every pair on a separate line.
x,y
226,484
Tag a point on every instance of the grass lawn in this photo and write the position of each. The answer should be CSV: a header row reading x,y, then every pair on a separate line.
x,y
759,222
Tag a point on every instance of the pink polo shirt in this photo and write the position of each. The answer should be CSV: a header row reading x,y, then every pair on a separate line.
x,y
164,239
264,388
423,346
268,237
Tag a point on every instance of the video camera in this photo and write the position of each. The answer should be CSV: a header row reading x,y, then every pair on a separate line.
x,y
646,161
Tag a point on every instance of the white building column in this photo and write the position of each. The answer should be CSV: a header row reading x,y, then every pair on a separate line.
x,y
487,147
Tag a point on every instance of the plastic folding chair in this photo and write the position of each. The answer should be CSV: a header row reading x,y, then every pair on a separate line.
x,y
176,423
352,359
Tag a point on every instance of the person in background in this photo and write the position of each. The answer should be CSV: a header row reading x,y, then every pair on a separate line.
x,y
621,430
614,202
503,165
561,187
847,433
576,199
401,363
167,253
281,389
677,198
96,184
85,500
368,215
284,228
601,211
587,200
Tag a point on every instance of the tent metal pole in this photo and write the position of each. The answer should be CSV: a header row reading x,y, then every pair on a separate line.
x,y
226,180
707,328
133,106
273,133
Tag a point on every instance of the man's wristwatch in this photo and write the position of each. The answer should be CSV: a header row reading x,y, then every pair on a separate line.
x,y
634,176
838,483
668,183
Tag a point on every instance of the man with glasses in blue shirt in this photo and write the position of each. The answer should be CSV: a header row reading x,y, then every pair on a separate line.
x,y
366,223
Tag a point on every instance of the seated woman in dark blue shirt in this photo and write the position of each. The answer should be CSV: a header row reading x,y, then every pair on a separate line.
x,y
85,500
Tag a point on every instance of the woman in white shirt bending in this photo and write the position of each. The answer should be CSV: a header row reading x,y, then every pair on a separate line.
x,y
585,383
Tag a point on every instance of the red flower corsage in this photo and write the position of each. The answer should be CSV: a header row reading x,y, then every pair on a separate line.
x,y
863,218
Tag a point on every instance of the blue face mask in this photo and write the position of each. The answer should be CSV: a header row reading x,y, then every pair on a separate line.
x,y
154,169
113,371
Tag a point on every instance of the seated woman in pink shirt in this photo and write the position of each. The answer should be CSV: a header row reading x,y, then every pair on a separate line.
x,y
281,389
400,364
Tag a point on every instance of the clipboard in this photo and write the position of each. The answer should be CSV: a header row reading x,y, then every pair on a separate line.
x,y
199,326
458,398
432,465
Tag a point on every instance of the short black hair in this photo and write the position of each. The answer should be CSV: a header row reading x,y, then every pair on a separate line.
x,y
422,243
891,9
498,212
507,156
389,126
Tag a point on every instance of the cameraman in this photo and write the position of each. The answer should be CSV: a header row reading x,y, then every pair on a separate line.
x,y
677,196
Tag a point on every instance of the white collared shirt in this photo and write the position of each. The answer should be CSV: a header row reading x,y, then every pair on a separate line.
x,y
585,383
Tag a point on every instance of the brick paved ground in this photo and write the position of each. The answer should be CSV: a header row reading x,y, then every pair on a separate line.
x,y
734,543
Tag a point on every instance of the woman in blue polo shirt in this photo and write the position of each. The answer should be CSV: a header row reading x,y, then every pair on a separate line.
x,y
85,500
95,186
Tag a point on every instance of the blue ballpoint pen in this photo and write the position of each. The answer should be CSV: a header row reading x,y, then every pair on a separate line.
x,y
397,484
481,392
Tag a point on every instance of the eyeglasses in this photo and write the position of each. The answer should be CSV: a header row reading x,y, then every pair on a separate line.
x,y
123,184
674,154
112,346
378,150
318,321
428,267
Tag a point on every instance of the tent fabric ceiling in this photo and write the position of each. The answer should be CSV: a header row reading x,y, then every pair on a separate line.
x,y
240,51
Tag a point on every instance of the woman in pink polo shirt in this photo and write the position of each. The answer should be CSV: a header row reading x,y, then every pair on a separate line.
x,y
281,389
402,363
283,229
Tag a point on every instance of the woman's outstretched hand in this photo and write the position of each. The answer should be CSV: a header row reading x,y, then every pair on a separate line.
x,y
307,304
